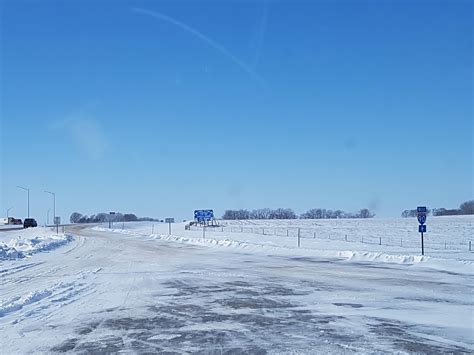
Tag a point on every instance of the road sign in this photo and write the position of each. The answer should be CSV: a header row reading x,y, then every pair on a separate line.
x,y
421,218
169,221
203,215
421,209
57,220
421,212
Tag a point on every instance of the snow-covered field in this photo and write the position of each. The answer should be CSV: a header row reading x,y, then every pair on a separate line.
x,y
244,288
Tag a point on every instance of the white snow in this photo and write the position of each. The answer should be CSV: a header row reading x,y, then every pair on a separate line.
x,y
30,241
239,291
349,239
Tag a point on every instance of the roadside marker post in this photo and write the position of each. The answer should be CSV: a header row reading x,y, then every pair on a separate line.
x,y
57,222
169,221
421,215
299,235
110,219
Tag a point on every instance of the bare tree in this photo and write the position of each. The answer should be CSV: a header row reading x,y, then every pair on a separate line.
x,y
75,217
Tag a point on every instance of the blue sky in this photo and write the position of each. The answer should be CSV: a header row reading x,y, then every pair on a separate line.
x,y
236,104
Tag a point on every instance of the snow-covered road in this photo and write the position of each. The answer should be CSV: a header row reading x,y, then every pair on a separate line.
x,y
107,291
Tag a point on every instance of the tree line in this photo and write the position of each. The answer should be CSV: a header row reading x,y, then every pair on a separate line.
x,y
288,213
464,209
77,217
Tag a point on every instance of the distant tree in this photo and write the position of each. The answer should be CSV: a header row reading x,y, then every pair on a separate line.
x,y
409,213
101,217
129,217
439,211
365,213
83,219
75,217
236,214
262,213
467,207
282,213
311,214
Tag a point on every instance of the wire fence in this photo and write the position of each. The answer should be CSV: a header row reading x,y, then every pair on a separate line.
x,y
311,233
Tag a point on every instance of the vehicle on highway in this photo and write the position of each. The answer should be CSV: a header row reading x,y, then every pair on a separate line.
x,y
29,222
17,221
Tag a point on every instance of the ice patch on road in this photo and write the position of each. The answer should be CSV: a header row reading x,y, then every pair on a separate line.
x,y
20,247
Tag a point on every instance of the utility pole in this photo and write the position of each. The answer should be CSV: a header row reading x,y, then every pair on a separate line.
x,y
28,191
54,203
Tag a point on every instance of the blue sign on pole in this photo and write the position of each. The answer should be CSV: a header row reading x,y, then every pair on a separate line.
x,y
203,215
421,215
421,218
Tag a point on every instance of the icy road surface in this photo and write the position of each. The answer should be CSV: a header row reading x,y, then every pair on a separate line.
x,y
107,291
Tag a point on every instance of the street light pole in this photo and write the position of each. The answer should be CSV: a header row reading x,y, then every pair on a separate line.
x,y
54,203
8,210
28,190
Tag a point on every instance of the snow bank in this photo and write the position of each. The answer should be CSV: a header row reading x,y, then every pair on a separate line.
x,y
458,266
21,247
17,303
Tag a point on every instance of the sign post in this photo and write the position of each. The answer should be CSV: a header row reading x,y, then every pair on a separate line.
x,y
169,221
57,222
421,215
110,219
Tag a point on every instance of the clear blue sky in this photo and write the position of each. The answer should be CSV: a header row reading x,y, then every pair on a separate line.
x,y
236,104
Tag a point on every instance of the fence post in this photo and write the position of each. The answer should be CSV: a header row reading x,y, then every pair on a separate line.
x,y
298,237
346,237
362,240
469,245
444,244
222,228
380,241
287,232
152,228
400,241
314,235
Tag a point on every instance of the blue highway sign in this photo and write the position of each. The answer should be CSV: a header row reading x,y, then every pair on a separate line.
x,y
422,228
203,215
421,209
422,218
